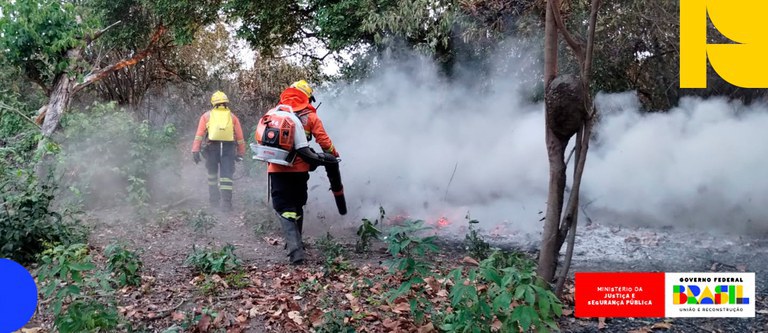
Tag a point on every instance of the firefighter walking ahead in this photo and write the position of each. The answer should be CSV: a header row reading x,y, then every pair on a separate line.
x,y
225,144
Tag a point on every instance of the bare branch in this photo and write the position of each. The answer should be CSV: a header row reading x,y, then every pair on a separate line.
x,y
572,41
18,112
98,34
590,43
100,74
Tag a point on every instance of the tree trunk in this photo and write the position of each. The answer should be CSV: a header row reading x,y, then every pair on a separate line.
x,y
567,102
61,94
58,102
555,152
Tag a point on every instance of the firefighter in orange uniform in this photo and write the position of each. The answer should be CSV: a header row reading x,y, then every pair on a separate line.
x,y
289,183
225,145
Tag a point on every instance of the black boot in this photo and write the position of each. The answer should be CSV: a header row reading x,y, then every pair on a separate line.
x,y
227,201
292,240
213,196
300,226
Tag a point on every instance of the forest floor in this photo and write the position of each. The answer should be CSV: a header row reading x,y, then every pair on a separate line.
x,y
272,296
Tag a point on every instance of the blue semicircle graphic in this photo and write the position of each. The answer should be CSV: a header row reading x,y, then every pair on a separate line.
x,y
18,296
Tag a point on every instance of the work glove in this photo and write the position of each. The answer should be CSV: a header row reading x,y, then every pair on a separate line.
x,y
196,156
328,158
238,159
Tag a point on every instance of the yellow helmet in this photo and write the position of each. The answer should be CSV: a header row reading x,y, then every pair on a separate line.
x,y
303,86
219,97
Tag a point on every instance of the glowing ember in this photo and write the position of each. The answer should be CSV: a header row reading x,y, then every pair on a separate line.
x,y
442,222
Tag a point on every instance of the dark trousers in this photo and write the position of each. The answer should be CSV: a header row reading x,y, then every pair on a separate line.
x,y
220,162
289,194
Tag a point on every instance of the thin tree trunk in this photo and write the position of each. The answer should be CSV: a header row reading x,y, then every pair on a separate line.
x,y
572,210
555,151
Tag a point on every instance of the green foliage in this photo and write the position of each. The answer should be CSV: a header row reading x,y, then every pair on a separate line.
x,y
411,254
334,255
477,247
124,264
67,275
202,222
212,261
87,316
238,280
105,145
512,293
28,220
334,321
367,232
37,34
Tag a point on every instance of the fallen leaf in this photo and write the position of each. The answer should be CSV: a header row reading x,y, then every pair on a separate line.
x,y
496,326
741,267
204,324
242,319
31,330
470,261
296,317
714,267
641,330
371,317
402,307
601,323
662,325
442,293
272,241
567,312
390,324
253,312
235,329
427,328
762,311
219,319
316,317
279,311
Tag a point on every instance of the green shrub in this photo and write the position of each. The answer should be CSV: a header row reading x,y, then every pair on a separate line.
x,y
412,258
211,261
334,255
87,316
28,221
124,264
368,232
68,276
202,222
475,244
335,321
106,144
512,294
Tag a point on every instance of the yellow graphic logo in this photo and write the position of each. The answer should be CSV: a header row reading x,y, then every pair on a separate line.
x,y
744,63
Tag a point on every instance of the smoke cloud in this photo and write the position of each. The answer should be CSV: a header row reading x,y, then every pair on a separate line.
x,y
423,147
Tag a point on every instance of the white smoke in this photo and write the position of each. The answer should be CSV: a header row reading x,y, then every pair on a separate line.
x,y
402,132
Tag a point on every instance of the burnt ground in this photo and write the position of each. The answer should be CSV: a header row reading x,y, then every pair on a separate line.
x,y
164,241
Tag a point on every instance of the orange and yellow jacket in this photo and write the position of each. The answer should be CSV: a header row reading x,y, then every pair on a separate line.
x,y
202,129
313,127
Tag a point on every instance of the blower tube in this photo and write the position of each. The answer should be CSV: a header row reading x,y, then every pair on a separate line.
x,y
334,176
331,165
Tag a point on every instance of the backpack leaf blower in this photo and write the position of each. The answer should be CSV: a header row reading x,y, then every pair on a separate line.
x,y
334,177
